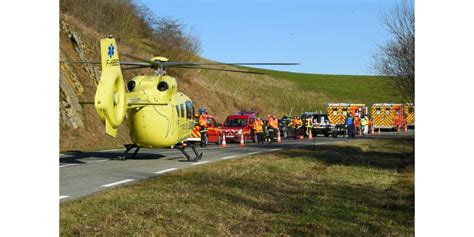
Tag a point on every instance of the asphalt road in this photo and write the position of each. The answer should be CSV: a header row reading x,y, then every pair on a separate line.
x,y
84,173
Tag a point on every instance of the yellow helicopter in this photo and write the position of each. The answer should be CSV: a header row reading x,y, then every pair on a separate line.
x,y
159,115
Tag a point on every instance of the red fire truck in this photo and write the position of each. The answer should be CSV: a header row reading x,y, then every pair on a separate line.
x,y
238,125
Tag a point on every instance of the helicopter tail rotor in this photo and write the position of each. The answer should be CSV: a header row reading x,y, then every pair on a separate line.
x,y
110,98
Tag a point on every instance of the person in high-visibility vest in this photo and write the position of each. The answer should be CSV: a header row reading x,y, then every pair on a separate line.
x,y
297,123
203,125
356,123
272,125
364,123
308,125
259,131
276,128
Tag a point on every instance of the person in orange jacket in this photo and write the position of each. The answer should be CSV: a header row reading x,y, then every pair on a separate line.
x,y
203,126
275,126
357,123
270,127
259,130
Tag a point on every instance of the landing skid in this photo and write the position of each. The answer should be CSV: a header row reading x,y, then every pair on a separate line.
x,y
129,147
182,146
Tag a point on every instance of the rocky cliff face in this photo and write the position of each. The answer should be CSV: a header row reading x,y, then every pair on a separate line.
x,y
80,128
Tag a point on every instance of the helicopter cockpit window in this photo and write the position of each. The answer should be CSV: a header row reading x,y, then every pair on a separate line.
x,y
177,110
182,110
130,85
189,110
162,86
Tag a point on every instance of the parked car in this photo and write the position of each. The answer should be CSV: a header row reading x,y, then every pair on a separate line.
x,y
213,135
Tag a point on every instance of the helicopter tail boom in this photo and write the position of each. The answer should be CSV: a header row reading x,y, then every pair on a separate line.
x,y
110,97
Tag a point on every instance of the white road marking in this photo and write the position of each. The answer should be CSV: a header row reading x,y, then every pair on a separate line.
x,y
62,197
113,150
96,161
164,171
228,157
253,153
276,149
117,183
201,162
62,166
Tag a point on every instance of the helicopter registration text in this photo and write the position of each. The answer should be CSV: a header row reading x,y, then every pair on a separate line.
x,y
112,62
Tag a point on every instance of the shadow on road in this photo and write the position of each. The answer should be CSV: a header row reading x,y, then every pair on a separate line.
x,y
79,157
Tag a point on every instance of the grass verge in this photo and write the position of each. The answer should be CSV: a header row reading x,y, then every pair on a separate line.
x,y
358,188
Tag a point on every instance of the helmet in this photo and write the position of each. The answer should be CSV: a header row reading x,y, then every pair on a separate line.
x,y
202,110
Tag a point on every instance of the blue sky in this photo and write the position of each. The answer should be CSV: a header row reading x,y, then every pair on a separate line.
x,y
327,37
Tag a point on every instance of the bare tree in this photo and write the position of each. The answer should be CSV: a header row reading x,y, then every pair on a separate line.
x,y
396,58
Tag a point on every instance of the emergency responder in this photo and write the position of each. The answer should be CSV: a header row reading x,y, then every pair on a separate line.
x,y
299,123
350,126
356,123
203,126
259,131
296,124
252,130
308,125
370,125
364,123
270,128
274,124
305,122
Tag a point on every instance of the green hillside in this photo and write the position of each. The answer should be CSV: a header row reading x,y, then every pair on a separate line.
x,y
341,88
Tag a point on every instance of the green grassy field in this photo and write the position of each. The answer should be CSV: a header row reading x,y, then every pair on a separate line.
x,y
357,188
342,88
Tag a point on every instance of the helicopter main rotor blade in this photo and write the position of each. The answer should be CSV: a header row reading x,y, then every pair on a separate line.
x,y
150,63
135,67
161,64
140,64
177,64
192,64
219,69
226,64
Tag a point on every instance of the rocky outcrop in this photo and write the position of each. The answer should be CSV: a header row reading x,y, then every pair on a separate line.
x,y
69,107
80,48
70,87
